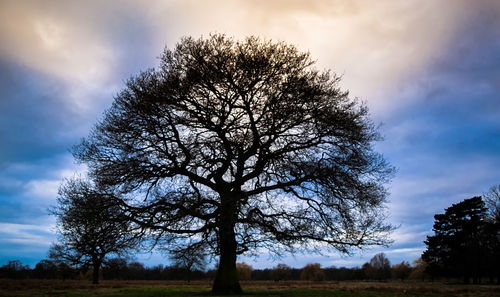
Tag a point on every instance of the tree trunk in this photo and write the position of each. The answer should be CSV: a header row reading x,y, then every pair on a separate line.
x,y
95,273
226,278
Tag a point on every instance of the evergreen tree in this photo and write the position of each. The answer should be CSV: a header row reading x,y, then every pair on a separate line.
x,y
458,246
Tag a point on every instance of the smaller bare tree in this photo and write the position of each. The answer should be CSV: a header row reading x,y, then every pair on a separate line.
x,y
378,268
492,227
492,201
281,272
192,258
90,226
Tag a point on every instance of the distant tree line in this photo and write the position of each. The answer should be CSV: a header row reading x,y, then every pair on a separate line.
x,y
121,269
113,269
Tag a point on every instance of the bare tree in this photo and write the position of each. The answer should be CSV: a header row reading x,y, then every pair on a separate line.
x,y
90,226
189,259
242,145
492,228
281,272
492,201
379,267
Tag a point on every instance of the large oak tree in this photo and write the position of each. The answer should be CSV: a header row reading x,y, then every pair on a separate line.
x,y
242,145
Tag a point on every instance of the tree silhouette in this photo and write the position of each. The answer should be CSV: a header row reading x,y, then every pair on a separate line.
x,y
378,268
242,145
281,272
189,259
14,269
458,247
45,269
492,226
492,201
90,226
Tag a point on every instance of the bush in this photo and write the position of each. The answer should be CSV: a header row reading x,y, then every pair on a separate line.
x,y
401,271
244,271
312,272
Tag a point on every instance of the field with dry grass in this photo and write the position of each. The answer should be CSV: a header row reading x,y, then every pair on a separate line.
x,y
258,288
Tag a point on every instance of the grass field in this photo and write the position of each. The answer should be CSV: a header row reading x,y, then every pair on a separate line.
x,y
251,288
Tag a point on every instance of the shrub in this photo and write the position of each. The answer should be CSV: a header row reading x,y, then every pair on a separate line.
x,y
312,272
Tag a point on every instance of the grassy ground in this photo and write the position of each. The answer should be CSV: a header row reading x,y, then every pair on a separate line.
x,y
29,288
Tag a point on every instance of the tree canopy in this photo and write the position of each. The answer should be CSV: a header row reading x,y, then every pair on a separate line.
x,y
242,145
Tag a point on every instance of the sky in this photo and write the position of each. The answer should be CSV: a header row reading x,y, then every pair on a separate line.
x,y
428,70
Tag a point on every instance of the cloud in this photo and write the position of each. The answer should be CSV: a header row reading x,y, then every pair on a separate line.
x,y
431,184
27,190
48,41
27,242
44,188
376,45
26,234
410,234
82,47
415,251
